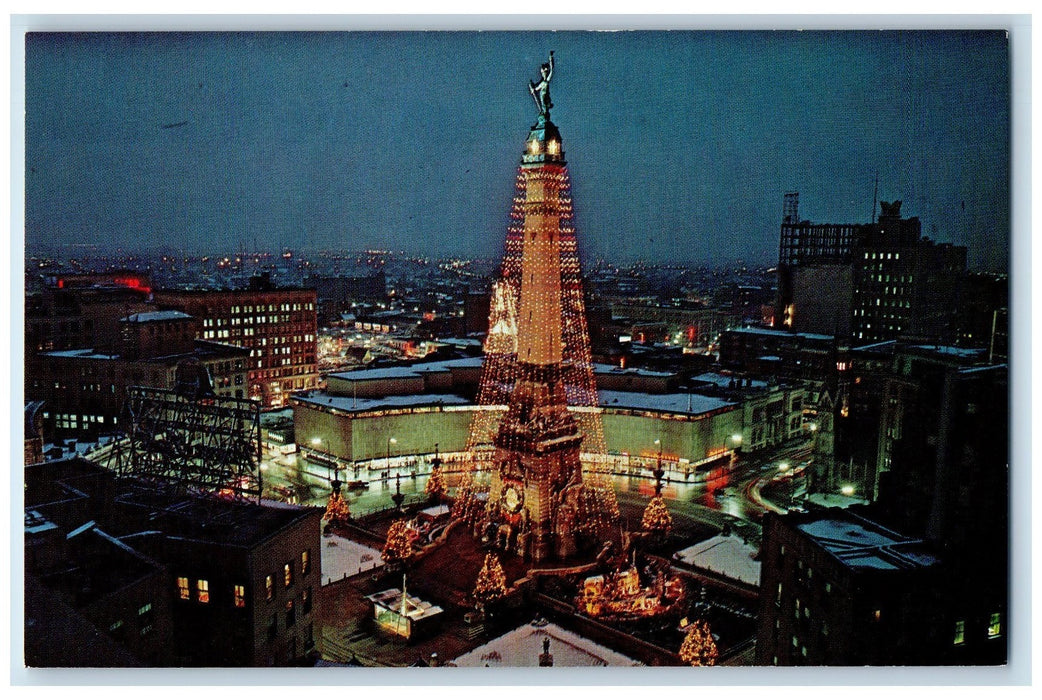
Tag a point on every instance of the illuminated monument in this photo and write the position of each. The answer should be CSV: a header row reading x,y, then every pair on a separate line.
x,y
538,400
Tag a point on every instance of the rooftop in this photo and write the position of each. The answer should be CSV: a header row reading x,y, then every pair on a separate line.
x,y
150,316
786,334
686,403
211,519
522,647
414,370
862,544
729,555
350,404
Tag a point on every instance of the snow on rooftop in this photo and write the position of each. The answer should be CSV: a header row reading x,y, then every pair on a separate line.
x,y
865,545
953,351
770,331
361,375
522,647
686,403
83,352
148,316
349,403
729,555
601,368
343,557
724,381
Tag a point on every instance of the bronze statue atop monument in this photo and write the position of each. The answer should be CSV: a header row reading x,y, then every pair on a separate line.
x,y
541,90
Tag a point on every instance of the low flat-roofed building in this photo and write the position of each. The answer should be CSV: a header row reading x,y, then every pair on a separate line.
x,y
403,615
524,646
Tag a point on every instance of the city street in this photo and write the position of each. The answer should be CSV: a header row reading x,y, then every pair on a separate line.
x,y
738,498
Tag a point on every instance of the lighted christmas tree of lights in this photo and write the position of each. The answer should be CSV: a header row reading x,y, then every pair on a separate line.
x,y
491,584
337,510
699,648
398,546
657,519
435,484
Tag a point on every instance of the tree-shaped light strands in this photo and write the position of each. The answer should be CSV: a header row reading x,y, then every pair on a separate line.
x,y
435,487
657,520
337,510
398,547
491,584
698,648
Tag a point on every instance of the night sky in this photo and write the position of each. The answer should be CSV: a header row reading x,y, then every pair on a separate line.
x,y
680,144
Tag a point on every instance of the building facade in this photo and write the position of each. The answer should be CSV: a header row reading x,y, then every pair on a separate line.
x,y
278,326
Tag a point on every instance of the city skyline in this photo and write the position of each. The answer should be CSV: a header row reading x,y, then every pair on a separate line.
x,y
680,141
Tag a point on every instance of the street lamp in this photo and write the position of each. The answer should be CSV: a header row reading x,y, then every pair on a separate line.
x,y
658,471
847,490
736,442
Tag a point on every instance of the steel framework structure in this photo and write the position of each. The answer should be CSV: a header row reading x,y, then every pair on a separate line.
x,y
207,445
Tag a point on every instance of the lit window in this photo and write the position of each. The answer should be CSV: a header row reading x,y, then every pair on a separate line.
x,y
269,586
240,596
287,574
305,562
960,633
203,590
533,147
182,587
291,614
995,626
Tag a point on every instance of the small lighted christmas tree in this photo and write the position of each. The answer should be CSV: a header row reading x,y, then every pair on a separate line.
x,y
698,648
492,582
337,510
657,519
435,487
398,546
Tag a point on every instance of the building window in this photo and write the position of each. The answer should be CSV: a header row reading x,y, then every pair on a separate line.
x,y
305,600
145,619
960,633
273,626
269,586
239,593
287,574
182,588
291,614
305,562
995,626
203,590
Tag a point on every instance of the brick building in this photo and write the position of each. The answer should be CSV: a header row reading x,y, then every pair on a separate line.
x,y
174,579
83,390
278,326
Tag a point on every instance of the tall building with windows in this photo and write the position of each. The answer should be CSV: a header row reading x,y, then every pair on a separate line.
x,y
904,285
278,325
867,282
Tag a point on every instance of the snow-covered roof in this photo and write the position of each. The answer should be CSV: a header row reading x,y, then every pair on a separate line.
x,y
353,405
770,331
724,381
685,403
729,555
148,316
967,353
342,557
416,370
522,647
87,353
601,368
862,544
